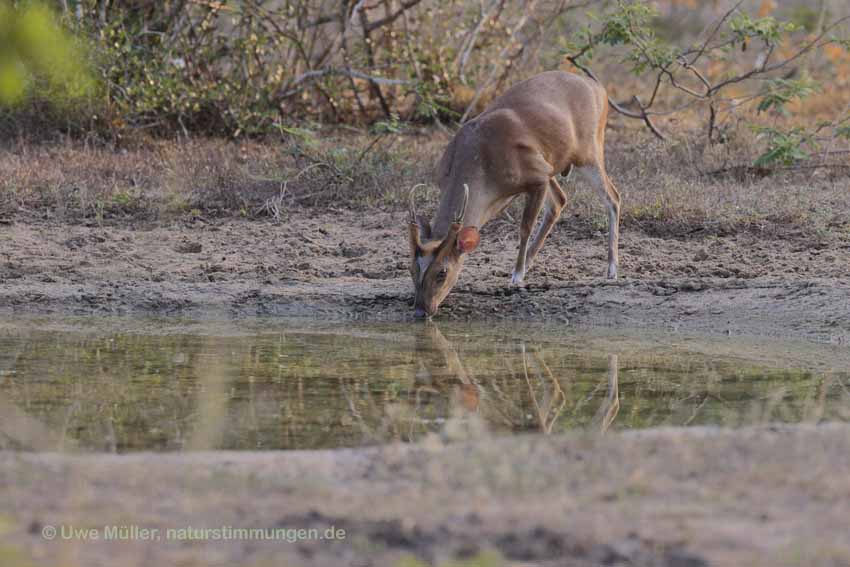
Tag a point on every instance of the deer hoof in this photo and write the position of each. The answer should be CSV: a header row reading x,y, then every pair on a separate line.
x,y
612,272
517,277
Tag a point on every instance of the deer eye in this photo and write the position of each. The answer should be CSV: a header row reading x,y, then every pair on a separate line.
x,y
442,274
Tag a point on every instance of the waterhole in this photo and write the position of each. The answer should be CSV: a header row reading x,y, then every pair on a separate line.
x,y
161,385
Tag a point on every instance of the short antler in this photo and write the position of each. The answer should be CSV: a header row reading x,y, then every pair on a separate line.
x,y
413,202
459,216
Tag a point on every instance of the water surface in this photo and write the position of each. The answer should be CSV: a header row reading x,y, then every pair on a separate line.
x,y
131,385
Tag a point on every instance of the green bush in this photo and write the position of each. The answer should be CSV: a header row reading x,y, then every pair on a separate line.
x,y
36,54
229,69
253,68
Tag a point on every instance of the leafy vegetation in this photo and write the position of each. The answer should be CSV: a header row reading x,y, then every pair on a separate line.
x,y
714,72
783,147
36,53
256,68
731,91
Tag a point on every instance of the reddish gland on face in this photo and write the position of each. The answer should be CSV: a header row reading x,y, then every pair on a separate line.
x,y
468,239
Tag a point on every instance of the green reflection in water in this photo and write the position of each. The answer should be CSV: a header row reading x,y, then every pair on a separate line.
x,y
300,388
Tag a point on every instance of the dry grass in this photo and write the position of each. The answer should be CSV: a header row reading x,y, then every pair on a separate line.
x,y
689,185
668,187
160,180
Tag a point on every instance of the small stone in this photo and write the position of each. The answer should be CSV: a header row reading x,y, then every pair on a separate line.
x,y
354,251
188,247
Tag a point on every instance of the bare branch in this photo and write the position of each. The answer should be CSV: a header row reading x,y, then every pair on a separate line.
x,y
504,53
722,20
815,42
321,20
316,73
472,36
392,17
642,115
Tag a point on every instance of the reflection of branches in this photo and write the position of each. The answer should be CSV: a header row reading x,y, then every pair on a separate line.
x,y
69,413
365,429
506,405
697,409
214,382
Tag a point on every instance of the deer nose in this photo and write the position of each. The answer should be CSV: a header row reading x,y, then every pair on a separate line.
x,y
419,313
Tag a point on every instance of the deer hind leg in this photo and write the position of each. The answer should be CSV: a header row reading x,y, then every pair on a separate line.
x,y
556,200
533,204
596,176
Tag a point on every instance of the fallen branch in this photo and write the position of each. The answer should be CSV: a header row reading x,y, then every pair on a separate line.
x,y
762,171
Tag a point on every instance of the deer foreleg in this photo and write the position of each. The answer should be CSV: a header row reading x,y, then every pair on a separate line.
x,y
556,200
533,204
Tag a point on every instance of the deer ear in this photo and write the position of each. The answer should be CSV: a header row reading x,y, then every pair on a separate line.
x,y
468,239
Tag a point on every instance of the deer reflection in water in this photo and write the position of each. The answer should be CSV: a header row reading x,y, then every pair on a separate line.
x,y
527,395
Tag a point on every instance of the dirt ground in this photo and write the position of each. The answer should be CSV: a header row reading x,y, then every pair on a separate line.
x,y
684,498
345,264
673,497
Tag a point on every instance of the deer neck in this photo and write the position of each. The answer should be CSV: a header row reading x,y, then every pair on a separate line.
x,y
451,202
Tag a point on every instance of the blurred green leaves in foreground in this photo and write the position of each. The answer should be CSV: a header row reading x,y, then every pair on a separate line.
x,y
34,48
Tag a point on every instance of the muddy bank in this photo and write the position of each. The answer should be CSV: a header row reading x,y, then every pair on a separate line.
x,y
346,264
756,496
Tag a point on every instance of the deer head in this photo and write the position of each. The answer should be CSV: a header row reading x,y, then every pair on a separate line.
x,y
436,262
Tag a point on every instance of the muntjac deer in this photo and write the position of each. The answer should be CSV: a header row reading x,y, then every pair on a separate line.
x,y
548,124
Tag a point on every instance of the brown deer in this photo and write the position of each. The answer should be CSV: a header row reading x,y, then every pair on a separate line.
x,y
548,124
